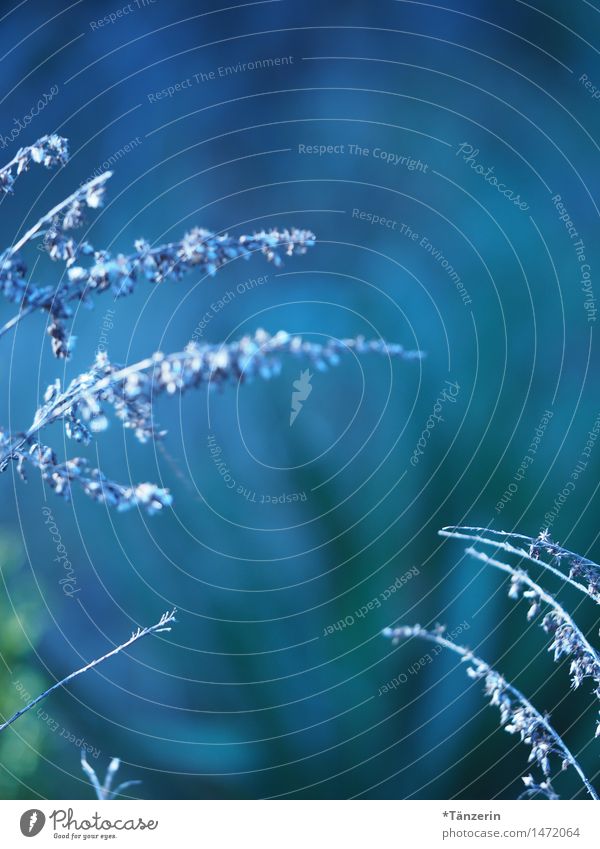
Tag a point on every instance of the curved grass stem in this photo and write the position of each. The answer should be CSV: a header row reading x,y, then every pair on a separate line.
x,y
518,715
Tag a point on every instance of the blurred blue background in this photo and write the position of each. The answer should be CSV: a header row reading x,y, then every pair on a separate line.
x,y
253,694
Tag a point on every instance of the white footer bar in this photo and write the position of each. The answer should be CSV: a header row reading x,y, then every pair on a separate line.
x,y
300,824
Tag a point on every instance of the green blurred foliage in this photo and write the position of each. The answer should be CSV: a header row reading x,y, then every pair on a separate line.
x,y
22,746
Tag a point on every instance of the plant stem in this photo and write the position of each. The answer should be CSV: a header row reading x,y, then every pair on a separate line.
x,y
49,216
16,319
161,625
456,532
468,656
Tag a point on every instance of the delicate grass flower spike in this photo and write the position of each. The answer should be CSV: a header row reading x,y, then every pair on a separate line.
x,y
199,250
535,549
517,715
128,392
49,151
567,639
131,391
52,228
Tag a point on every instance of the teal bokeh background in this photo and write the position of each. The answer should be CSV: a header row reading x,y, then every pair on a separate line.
x,y
249,696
